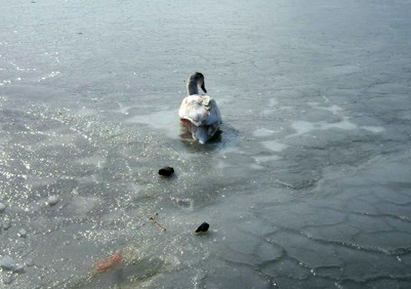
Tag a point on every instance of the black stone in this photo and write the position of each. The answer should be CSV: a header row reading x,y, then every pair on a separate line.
x,y
166,171
203,228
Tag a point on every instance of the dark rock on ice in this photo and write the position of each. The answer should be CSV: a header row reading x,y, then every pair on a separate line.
x,y
203,228
166,171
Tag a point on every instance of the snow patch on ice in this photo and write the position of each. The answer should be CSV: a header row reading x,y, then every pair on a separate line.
x,y
274,145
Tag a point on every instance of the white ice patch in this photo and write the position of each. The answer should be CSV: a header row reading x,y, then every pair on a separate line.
x,y
222,165
345,124
84,205
263,132
256,167
234,150
274,145
272,102
166,120
86,111
264,159
335,109
304,127
374,129
50,75
126,109
97,161
185,203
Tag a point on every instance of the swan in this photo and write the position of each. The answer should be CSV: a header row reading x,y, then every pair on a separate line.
x,y
199,112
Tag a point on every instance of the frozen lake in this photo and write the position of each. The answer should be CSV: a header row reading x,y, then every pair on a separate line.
x,y
309,185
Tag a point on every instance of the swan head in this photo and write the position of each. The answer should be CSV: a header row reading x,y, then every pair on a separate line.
x,y
194,81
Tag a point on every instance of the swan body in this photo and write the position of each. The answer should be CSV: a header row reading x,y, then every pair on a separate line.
x,y
199,112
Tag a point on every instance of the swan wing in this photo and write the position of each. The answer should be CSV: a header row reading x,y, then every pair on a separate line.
x,y
200,110
214,115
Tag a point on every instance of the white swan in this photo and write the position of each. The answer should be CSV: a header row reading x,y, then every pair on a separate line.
x,y
199,112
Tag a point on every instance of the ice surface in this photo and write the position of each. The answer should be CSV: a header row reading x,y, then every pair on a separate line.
x,y
307,186
7,263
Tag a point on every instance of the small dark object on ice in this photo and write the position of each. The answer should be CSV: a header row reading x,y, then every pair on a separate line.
x,y
166,171
157,223
203,228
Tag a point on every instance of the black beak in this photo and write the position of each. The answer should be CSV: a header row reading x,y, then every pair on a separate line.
x,y
203,88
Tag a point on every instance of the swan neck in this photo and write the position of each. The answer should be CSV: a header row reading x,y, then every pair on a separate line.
x,y
192,88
